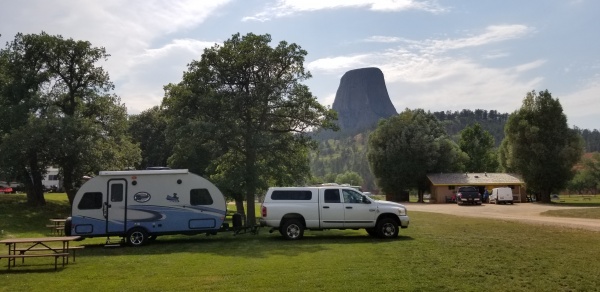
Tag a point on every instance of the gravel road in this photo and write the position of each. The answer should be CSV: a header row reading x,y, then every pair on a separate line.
x,y
525,212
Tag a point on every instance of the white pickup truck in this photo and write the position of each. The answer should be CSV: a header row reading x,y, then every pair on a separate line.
x,y
291,210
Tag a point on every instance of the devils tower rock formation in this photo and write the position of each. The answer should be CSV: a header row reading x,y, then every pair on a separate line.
x,y
362,99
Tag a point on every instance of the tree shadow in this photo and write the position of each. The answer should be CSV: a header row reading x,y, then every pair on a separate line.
x,y
247,246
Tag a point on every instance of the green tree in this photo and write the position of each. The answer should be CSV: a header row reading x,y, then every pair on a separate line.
x,y
587,179
244,102
62,98
24,152
479,146
404,148
329,177
149,130
539,145
349,177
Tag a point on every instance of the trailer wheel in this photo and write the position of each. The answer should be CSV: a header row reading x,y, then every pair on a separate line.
x,y
387,228
137,236
293,229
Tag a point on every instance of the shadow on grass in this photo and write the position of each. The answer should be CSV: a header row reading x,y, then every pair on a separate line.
x,y
249,246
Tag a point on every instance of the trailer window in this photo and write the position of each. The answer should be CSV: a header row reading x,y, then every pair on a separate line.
x,y
200,197
291,195
90,201
116,193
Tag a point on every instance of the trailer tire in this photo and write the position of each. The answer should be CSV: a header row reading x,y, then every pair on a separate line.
x,y
292,229
137,236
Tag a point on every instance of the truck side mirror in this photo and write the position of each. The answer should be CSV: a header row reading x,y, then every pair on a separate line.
x,y
366,201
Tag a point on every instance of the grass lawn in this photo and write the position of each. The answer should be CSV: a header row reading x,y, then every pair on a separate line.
x,y
589,213
436,253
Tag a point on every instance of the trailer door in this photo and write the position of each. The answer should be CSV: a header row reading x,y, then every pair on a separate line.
x,y
116,206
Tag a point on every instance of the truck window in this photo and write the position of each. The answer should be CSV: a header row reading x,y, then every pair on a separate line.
x,y
90,201
291,195
332,196
352,196
200,197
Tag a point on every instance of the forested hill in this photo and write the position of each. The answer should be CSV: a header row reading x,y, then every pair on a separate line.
x,y
491,121
339,152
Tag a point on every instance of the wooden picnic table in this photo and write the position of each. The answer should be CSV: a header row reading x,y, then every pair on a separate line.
x,y
57,225
38,244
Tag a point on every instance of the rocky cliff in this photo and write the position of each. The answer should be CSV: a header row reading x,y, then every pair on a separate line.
x,y
362,99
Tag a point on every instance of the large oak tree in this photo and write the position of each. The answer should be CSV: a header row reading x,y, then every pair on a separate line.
x,y
243,113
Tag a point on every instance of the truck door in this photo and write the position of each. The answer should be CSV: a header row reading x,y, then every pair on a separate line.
x,y
357,213
115,206
332,209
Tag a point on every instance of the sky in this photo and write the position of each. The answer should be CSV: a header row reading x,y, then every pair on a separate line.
x,y
435,55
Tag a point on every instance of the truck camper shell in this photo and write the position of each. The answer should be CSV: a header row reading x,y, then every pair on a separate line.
x,y
139,205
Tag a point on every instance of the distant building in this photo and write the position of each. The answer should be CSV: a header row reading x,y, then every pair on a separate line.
x,y
442,186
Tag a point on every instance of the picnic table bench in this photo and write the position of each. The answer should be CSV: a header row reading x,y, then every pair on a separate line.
x,y
588,198
39,244
13,257
69,249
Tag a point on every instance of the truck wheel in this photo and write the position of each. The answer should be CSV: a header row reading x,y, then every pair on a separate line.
x,y
371,231
292,229
137,236
387,228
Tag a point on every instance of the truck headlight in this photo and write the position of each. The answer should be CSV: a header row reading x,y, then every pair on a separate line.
x,y
402,211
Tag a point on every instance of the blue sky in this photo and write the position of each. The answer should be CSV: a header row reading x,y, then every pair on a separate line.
x,y
435,55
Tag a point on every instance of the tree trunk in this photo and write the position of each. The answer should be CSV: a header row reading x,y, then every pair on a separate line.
x,y
545,196
251,179
239,206
68,184
33,185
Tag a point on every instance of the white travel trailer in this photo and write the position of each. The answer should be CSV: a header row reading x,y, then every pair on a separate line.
x,y
51,181
140,205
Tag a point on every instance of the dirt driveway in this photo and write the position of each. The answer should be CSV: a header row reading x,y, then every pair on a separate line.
x,y
525,212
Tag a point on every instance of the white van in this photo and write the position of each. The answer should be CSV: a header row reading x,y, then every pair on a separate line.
x,y
501,196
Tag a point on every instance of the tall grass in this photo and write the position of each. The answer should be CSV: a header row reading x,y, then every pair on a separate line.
x,y
436,253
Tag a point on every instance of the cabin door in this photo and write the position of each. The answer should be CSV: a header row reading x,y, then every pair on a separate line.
x,y
116,206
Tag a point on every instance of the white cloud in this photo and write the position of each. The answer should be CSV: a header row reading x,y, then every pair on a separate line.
x,y
530,65
285,8
129,30
337,64
383,39
584,102
492,34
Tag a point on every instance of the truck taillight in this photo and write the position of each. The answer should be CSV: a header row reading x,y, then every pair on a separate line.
x,y
263,211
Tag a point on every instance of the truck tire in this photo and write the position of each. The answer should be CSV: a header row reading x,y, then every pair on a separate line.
x,y
387,228
137,236
292,229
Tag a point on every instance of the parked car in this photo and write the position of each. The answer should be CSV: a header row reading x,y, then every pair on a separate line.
x,y
501,196
468,195
5,190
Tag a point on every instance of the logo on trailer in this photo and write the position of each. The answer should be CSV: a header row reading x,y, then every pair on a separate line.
x,y
141,197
